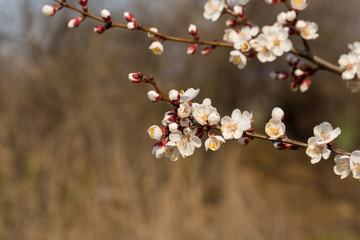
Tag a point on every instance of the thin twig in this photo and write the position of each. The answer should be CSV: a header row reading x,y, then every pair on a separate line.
x,y
323,64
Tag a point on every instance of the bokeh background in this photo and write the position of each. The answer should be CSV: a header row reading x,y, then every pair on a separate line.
x,y
75,158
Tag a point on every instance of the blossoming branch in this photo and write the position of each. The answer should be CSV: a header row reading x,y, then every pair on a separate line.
x,y
246,39
190,124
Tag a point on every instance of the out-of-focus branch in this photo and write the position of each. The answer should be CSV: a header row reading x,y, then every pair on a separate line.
x,y
322,63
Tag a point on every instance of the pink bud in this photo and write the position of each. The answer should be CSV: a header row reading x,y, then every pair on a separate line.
x,y
231,23
134,77
292,60
83,3
206,50
281,145
244,140
153,96
129,17
192,49
192,29
99,29
105,14
73,23
132,25
305,84
294,86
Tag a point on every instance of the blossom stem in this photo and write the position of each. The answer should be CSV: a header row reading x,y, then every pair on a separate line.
x,y
151,80
323,64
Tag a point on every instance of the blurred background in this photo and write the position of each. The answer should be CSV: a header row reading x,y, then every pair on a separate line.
x,y
75,158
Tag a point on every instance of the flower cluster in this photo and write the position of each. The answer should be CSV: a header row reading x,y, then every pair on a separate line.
x,y
319,146
182,128
350,64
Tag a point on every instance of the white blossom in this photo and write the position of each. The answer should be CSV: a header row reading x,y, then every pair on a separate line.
x,y
157,47
277,113
155,132
235,126
308,30
317,151
159,149
173,95
172,151
354,85
186,142
202,111
325,133
238,59
275,128
349,63
213,9
298,4
213,142
342,166
151,35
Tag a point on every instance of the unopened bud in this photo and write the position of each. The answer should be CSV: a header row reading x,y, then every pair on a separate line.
x,y
272,2
278,113
173,127
129,17
231,23
294,86
192,49
244,140
174,95
105,14
132,25
292,60
153,96
281,145
291,16
134,77
48,10
213,118
192,29
99,29
83,3
73,23
305,84
299,72
206,50
155,132
239,10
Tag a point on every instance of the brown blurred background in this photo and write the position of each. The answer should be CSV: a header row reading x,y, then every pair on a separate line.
x,y
75,158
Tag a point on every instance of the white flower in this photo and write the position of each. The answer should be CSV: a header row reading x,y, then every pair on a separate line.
x,y
213,142
151,35
184,110
349,63
153,96
238,58
355,164
275,128
202,111
172,151
213,9
278,35
317,151
235,126
189,94
48,10
277,113
241,38
157,47
159,149
325,133
308,30
342,166
298,4
186,142
155,132
263,48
